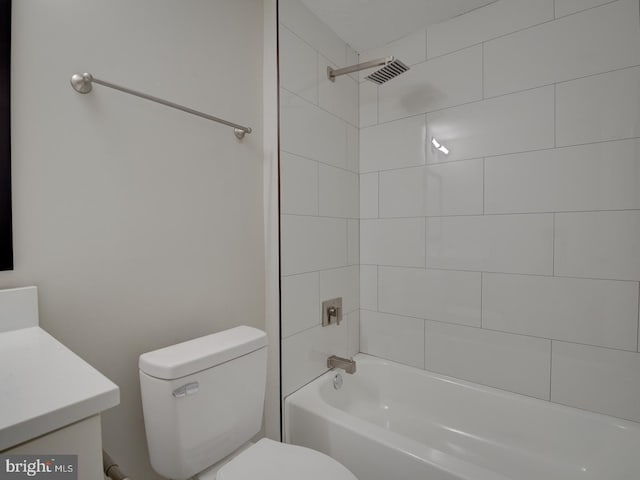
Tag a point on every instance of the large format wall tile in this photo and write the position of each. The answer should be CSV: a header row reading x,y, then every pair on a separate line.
x,y
508,124
304,355
300,302
368,104
298,185
602,176
566,7
393,241
600,107
431,294
402,193
454,188
439,83
596,312
596,379
369,195
494,243
494,20
369,287
511,362
341,282
593,41
339,97
598,245
396,338
310,132
393,145
299,19
298,66
312,243
338,193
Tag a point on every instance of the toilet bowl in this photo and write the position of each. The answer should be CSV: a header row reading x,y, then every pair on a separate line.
x,y
203,401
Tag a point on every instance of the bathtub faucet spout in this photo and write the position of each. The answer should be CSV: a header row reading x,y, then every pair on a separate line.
x,y
347,364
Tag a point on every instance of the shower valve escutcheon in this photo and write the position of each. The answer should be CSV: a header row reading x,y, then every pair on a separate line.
x,y
332,311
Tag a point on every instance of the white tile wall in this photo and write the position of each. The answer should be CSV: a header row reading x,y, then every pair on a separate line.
x,y
298,66
298,185
394,241
339,97
369,195
454,188
299,19
598,379
521,244
309,131
494,243
593,41
402,193
432,85
494,20
368,104
300,302
396,338
353,238
566,7
508,124
393,145
338,192
369,287
601,176
319,195
304,356
598,245
596,312
342,282
511,362
597,108
431,294
312,243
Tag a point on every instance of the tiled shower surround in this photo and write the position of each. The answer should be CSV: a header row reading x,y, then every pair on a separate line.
x,y
514,260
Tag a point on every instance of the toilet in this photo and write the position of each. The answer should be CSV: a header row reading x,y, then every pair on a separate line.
x,y
203,402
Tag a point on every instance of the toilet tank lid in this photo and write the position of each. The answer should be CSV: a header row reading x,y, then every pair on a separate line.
x,y
201,353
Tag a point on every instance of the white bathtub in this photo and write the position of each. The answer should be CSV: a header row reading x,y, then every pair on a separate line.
x,y
392,422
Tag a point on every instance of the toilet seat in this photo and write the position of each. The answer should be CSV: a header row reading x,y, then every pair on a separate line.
x,y
271,460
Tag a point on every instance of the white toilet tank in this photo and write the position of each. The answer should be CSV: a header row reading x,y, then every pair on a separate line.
x,y
202,399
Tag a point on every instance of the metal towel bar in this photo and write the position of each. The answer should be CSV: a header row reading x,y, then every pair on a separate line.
x,y
82,83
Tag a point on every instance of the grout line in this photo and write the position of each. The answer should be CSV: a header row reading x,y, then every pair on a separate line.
x,y
426,244
481,282
550,367
484,188
490,156
318,185
482,61
318,106
517,31
441,269
515,92
553,246
377,289
320,161
490,214
555,114
554,10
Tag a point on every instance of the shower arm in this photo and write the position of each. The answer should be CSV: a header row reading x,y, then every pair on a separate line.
x,y
333,73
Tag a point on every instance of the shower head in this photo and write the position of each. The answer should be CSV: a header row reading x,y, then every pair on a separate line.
x,y
391,68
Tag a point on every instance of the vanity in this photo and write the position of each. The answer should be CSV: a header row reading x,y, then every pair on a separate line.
x,y
50,399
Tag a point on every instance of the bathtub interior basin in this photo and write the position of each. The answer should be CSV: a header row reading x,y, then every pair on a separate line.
x,y
393,421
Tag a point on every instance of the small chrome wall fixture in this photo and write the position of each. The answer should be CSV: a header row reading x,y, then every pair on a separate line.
x,y
83,83
332,311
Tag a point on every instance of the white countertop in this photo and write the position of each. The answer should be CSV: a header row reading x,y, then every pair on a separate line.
x,y
45,386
